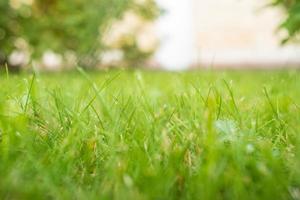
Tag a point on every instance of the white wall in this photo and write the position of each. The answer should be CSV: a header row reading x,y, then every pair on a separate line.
x,y
175,29
223,32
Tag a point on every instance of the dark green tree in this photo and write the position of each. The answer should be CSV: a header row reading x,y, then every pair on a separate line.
x,y
291,22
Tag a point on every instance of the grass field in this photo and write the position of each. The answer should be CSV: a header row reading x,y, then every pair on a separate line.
x,y
150,135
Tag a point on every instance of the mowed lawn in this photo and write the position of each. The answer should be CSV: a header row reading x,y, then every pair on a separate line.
x,y
150,135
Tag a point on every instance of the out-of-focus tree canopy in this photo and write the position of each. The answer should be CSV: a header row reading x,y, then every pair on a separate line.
x,y
292,21
63,25
8,28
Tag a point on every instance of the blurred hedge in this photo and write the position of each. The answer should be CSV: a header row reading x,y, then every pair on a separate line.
x,y
64,25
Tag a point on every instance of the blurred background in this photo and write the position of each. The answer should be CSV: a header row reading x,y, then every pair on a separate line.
x,y
56,35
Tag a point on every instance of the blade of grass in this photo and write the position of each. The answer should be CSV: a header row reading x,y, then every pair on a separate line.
x,y
29,93
270,103
6,70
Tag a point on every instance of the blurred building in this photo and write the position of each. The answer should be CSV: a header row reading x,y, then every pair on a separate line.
x,y
222,33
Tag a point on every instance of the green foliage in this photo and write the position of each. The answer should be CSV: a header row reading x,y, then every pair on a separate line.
x,y
292,21
193,135
64,25
8,27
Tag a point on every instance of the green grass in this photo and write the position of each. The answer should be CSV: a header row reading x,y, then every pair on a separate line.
x,y
150,135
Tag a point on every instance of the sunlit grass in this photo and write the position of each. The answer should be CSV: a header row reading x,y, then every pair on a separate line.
x,y
150,135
